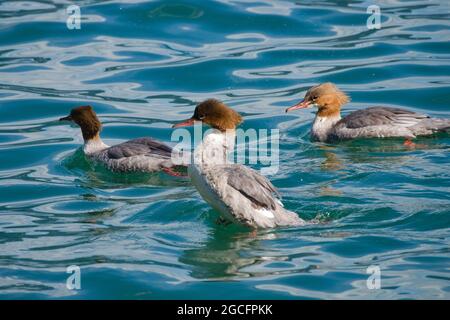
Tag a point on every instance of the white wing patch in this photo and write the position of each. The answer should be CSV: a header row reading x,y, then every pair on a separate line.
x,y
266,213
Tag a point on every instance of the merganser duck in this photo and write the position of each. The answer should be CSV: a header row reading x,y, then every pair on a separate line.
x,y
239,193
137,155
374,122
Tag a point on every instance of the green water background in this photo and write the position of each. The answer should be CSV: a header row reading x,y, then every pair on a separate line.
x,y
144,65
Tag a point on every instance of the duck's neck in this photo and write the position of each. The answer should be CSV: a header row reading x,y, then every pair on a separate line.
x,y
215,148
323,125
93,145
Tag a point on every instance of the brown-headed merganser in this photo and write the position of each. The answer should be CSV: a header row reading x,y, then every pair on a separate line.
x,y
374,122
239,193
137,155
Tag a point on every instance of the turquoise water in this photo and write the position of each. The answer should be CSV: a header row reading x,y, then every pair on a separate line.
x,y
143,66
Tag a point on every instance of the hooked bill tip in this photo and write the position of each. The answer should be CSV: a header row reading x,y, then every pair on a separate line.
x,y
68,118
188,122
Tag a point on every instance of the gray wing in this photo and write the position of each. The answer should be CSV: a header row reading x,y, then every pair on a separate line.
x,y
257,188
379,116
139,147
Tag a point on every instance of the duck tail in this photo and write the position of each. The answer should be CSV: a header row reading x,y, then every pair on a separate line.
x,y
440,124
431,125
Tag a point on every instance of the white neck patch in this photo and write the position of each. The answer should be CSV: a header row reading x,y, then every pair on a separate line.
x,y
322,126
215,148
94,145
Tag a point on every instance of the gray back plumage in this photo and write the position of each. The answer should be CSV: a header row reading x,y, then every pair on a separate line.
x,y
139,147
257,188
379,116
383,122
248,197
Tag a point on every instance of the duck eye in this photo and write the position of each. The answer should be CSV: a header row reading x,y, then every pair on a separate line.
x,y
201,117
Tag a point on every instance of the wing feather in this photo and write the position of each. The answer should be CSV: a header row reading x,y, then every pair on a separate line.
x,y
255,187
378,116
139,147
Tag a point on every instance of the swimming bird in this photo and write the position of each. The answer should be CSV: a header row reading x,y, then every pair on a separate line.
x,y
137,155
238,192
374,122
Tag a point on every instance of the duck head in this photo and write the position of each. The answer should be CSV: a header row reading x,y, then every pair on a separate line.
x,y
215,114
326,97
86,118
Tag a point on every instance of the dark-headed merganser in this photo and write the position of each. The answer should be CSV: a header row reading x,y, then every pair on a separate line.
x,y
239,193
137,155
374,122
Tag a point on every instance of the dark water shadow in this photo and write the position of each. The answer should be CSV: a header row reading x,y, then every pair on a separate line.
x,y
93,174
232,252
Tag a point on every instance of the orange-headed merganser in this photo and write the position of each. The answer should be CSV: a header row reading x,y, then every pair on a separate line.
x,y
137,155
374,122
239,193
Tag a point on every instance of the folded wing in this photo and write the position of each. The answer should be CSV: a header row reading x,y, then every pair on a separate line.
x,y
250,184
381,116
139,147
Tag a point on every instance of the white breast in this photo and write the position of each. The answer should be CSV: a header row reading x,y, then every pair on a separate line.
x,y
322,127
215,148
93,146
203,187
213,151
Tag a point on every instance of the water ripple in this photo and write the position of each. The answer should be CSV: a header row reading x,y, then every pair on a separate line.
x,y
144,65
